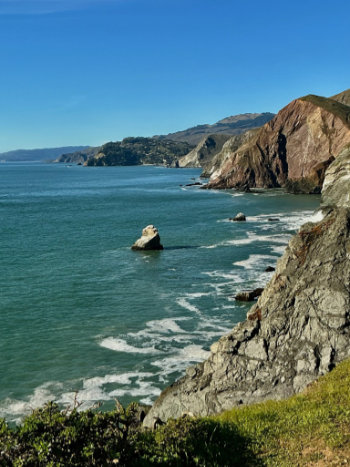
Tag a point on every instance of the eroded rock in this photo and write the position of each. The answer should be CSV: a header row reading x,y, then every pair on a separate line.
x,y
249,295
149,240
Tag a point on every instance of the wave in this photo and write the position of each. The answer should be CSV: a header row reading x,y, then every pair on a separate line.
x,y
180,361
255,261
120,345
181,301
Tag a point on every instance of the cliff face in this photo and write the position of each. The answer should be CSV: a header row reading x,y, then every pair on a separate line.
x,y
298,330
293,150
203,154
343,97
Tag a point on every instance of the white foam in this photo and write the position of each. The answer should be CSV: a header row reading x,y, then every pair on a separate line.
x,y
318,216
231,276
254,260
14,409
279,250
181,301
120,345
197,294
253,238
179,361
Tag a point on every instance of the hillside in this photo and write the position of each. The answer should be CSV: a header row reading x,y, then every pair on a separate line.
x,y
138,151
293,150
233,125
36,155
343,97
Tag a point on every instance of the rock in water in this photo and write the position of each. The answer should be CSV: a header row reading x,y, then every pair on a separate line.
x,y
238,217
149,240
249,295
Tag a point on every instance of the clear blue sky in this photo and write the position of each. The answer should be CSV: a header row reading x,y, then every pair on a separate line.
x,y
89,71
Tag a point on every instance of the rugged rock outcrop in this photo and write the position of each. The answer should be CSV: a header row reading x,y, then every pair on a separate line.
x,y
205,151
149,240
298,329
293,150
343,97
335,191
230,147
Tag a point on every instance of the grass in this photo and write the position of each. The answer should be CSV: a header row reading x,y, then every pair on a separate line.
x,y
310,429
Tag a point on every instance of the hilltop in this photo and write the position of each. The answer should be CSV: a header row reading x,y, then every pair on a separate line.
x,y
232,125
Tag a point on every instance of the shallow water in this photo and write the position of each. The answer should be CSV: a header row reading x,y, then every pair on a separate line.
x,y
81,312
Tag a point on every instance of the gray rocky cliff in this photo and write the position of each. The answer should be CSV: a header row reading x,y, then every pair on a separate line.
x,y
298,330
205,151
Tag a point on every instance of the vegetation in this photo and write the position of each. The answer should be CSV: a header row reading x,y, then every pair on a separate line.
x,y
337,108
136,151
308,429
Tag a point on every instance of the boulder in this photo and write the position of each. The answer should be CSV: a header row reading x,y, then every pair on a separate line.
x,y
270,269
248,295
149,240
238,217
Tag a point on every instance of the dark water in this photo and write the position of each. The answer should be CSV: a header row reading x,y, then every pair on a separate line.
x,y
82,312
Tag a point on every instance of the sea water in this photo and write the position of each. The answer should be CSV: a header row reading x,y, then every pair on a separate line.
x,y
83,317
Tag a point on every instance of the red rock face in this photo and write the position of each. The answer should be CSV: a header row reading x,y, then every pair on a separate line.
x,y
293,149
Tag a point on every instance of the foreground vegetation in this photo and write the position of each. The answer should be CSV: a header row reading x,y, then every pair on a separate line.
x,y
309,429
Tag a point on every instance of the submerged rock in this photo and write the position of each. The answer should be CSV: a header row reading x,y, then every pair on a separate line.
x,y
270,269
238,217
149,240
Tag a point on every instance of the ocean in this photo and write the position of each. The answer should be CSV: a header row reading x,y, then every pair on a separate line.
x,y
83,317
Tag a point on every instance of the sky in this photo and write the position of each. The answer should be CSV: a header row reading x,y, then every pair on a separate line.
x,y
84,72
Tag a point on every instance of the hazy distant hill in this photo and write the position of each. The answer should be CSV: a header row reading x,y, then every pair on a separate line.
x,y
233,125
35,155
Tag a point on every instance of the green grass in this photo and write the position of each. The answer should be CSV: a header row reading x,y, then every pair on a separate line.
x,y
337,108
310,429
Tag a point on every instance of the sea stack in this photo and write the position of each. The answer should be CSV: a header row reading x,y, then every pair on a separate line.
x,y
149,240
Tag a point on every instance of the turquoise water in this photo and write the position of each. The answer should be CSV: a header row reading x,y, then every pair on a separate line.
x,y
82,313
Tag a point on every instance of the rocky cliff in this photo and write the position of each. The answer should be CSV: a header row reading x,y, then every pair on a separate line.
x,y
205,151
343,97
293,150
299,328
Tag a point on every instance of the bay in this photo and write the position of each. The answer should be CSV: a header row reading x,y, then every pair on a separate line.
x,y
85,318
